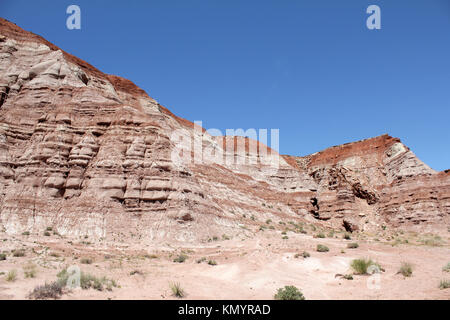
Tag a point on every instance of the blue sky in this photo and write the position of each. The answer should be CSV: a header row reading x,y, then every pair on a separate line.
x,y
309,68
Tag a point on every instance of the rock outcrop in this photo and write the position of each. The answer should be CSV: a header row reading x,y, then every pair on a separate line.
x,y
91,154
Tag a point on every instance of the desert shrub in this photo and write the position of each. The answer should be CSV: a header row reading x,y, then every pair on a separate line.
x,y
47,234
134,272
289,293
177,291
53,290
319,235
322,248
11,276
268,221
86,261
30,270
202,259
285,237
446,268
49,229
352,245
88,281
347,236
63,276
432,241
180,258
306,254
26,233
406,269
19,253
2,256
212,263
444,284
348,277
361,266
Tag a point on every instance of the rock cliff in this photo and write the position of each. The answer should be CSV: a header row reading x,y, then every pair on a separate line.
x,y
91,154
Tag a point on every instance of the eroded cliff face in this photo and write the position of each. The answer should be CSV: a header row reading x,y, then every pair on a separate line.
x,y
92,154
375,182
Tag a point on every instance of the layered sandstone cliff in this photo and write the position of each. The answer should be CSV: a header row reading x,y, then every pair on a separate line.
x,y
92,154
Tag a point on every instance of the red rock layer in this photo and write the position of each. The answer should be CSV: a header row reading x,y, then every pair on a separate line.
x,y
92,154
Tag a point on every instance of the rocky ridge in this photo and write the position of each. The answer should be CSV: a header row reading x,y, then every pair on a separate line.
x,y
91,154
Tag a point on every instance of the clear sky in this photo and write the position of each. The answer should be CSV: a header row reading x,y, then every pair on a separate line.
x,y
310,68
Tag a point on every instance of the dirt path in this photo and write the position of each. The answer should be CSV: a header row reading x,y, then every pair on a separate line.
x,y
252,268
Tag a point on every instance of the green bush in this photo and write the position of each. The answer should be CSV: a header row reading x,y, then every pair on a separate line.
x,y
289,293
361,266
322,248
352,245
406,269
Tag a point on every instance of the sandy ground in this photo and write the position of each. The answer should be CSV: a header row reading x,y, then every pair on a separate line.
x,y
249,267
